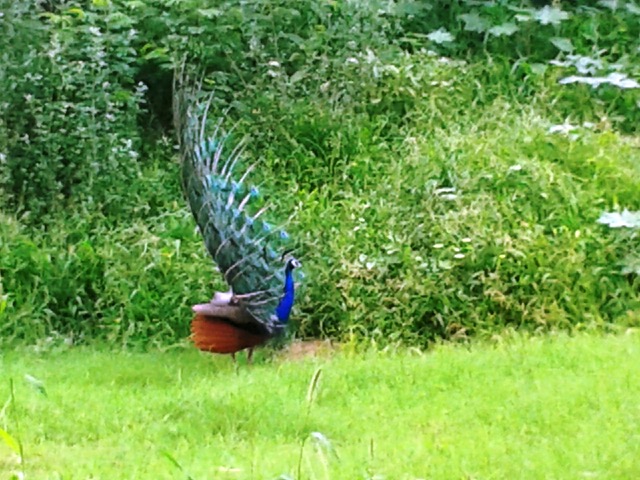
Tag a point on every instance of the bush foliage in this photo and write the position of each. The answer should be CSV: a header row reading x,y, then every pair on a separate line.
x,y
448,162
70,107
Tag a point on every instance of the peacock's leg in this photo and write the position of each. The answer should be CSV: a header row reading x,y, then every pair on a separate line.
x,y
249,355
233,356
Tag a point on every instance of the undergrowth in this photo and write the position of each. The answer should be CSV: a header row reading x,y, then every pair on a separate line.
x,y
447,176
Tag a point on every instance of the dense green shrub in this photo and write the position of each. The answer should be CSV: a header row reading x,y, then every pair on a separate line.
x,y
261,54
413,139
473,227
69,107
75,74
447,231
127,284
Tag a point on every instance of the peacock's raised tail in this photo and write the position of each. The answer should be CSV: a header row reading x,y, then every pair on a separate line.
x,y
251,254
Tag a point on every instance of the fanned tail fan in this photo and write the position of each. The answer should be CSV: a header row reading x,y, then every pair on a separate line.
x,y
228,211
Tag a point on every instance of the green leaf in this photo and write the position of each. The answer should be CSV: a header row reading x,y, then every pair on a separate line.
x,y
550,15
522,17
631,265
3,303
562,44
313,384
440,36
538,68
610,4
299,75
412,8
9,441
474,22
78,12
297,39
632,8
156,53
176,464
507,29
210,13
135,4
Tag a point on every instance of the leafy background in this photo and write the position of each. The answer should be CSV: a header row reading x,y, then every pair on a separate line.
x,y
447,162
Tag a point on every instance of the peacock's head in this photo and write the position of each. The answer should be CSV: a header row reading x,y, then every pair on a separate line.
x,y
293,263
290,261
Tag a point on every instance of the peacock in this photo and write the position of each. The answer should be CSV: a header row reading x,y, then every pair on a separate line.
x,y
252,255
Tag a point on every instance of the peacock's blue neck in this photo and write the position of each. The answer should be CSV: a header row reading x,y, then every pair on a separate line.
x,y
286,302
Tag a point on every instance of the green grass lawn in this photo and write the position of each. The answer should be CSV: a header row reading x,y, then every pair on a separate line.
x,y
555,407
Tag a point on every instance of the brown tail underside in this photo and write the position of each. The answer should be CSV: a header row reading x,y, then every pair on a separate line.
x,y
214,335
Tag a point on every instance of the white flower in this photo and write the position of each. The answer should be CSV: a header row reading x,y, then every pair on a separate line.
x,y
625,219
459,255
371,57
564,128
446,193
616,79
95,31
443,83
53,52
